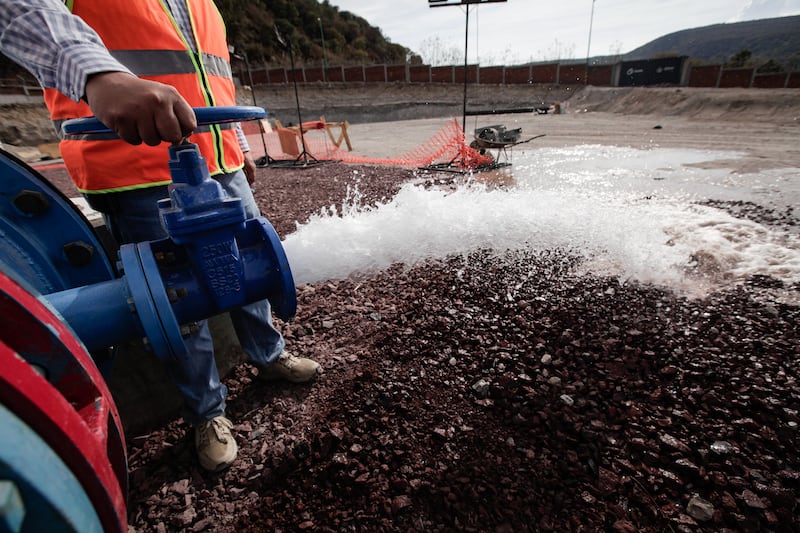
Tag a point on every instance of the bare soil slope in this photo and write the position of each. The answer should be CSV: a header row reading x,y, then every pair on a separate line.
x,y
27,124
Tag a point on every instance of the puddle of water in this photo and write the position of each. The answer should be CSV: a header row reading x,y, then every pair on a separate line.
x,y
663,171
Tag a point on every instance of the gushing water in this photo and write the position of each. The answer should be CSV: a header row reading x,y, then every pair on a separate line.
x,y
631,213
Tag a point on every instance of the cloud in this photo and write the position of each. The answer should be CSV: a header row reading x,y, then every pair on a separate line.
x,y
762,9
525,30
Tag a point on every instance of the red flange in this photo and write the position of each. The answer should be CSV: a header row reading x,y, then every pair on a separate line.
x,y
71,407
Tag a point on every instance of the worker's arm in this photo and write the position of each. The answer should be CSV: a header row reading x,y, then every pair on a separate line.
x,y
60,49
64,53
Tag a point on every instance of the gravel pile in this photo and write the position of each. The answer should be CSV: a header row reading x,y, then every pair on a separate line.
x,y
498,392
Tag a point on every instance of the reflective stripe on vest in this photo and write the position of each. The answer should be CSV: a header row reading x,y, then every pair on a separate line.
x,y
150,45
163,62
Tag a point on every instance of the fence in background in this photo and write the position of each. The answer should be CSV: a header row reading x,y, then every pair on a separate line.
x,y
649,72
662,71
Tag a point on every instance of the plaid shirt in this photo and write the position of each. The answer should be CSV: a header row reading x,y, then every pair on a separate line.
x,y
61,50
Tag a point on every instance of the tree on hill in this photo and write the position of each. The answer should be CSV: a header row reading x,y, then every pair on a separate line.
x,y
770,66
349,39
739,59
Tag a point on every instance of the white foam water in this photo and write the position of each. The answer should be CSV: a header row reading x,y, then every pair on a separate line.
x,y
632,213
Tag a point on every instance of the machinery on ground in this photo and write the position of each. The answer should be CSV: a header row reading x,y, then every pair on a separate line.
x,y
498,138
63,463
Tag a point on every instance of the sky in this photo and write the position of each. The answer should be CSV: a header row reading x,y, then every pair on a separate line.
x,y
519,31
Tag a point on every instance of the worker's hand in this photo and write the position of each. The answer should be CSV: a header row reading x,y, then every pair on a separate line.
x,y
139,110
249,168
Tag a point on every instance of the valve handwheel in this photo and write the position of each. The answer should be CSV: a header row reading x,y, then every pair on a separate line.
x,y
205,116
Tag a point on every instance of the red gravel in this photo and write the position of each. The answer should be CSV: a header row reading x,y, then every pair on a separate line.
x,y
451,402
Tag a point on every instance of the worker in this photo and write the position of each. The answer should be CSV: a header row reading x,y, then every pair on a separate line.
x,y
140,67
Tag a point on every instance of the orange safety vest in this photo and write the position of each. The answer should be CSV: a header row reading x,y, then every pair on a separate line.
x,y
144,37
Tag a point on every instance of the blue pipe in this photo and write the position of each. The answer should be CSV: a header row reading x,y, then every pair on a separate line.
x,y
100,314
214,260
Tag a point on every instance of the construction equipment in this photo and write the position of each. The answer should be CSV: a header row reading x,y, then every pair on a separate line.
x,y
498,138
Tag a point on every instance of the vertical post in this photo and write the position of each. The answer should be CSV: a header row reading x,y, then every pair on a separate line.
x,y
265,160
297,101
324,52
466,55
589,46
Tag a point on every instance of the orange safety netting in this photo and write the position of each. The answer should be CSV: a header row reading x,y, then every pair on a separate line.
x,y
446,147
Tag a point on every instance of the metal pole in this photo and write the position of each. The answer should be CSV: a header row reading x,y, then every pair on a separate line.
x,y
589,46
297,102
466,43
466,4
324,52
253,93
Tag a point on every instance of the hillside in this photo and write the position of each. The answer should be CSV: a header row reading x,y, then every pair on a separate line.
x,y
322,33
777,39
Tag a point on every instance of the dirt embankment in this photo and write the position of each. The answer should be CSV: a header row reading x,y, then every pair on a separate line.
x,y
779,105
385,102
26,124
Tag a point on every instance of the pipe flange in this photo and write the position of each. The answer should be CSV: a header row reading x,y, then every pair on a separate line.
x,y
152,303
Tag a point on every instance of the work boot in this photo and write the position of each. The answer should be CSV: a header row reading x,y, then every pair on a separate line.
x,y
290,368
216,447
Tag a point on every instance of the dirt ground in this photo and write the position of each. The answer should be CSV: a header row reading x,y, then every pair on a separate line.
x,y
448,404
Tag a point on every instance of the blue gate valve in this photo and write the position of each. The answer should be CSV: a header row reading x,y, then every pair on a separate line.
x,y
199,216
214,259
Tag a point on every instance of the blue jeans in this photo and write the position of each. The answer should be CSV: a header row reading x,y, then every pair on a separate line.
x,y
132,216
